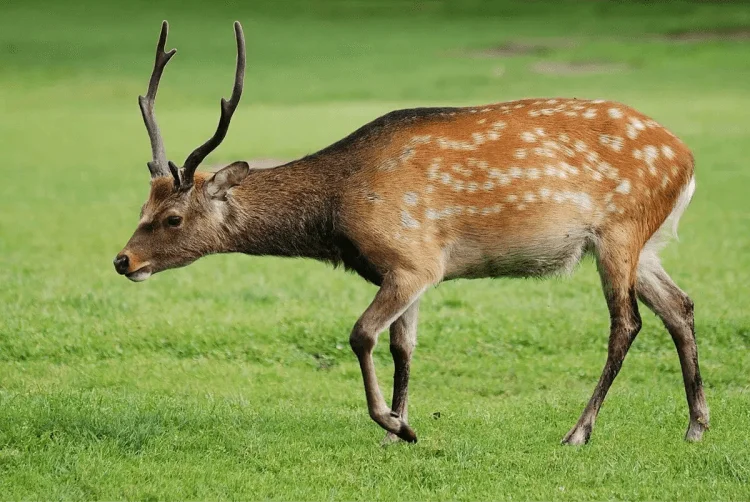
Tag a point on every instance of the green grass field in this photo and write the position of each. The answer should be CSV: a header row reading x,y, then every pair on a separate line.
x,y
233,379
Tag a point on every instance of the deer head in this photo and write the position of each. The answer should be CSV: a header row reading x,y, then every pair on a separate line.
x,y
183,217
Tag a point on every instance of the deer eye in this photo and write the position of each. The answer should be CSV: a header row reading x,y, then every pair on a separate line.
x,y
174,221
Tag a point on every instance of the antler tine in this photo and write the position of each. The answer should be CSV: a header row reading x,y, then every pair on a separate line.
x,y
227,109
158,164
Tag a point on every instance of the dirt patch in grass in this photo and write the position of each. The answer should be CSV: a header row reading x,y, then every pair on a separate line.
x,y
577,67
546,46
713,35
521,48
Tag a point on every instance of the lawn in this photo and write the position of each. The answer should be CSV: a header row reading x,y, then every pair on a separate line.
x,y
233,379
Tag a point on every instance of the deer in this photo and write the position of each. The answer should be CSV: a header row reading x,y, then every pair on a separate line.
x,y
524,188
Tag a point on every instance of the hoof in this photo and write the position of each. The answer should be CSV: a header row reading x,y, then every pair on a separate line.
x,y
695,430
407,433
577,436
395,425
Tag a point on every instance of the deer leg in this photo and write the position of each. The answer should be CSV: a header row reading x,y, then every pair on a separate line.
x,y
617,271
397,293
403,341
657,290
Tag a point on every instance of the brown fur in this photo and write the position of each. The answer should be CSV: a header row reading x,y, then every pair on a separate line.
x,y
419,196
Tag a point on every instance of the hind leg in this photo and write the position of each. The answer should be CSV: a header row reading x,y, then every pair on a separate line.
x,y
657,290
616,261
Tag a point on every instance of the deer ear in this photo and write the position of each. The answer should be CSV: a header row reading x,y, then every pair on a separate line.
x,y
220,183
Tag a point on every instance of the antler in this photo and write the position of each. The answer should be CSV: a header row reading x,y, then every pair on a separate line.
x,y
227,109
158,166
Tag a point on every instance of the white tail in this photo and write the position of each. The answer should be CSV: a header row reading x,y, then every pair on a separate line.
x,y
668,230
683,201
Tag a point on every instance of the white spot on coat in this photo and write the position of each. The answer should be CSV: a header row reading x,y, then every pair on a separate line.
x,y
589,114
613,142
581,199
650,152
407,220
410,198
623,187
568,168
607,170
615,113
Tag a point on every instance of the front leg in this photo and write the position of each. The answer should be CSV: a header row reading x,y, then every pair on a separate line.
x,y
403,341
397,293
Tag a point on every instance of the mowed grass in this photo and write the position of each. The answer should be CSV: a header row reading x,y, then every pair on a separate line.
x,y
233,379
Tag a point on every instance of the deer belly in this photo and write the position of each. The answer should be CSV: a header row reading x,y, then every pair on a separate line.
x,y
516,257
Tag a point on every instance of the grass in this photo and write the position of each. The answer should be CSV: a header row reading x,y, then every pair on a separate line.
x,y
232,379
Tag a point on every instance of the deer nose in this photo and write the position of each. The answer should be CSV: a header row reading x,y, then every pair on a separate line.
x,y
122,263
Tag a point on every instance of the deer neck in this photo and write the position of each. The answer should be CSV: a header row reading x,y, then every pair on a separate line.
x,y
284,211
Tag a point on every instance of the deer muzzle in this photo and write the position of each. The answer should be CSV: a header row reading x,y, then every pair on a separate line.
x,y
133,269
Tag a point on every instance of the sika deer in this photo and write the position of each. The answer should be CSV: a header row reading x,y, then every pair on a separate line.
x,y
416,197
